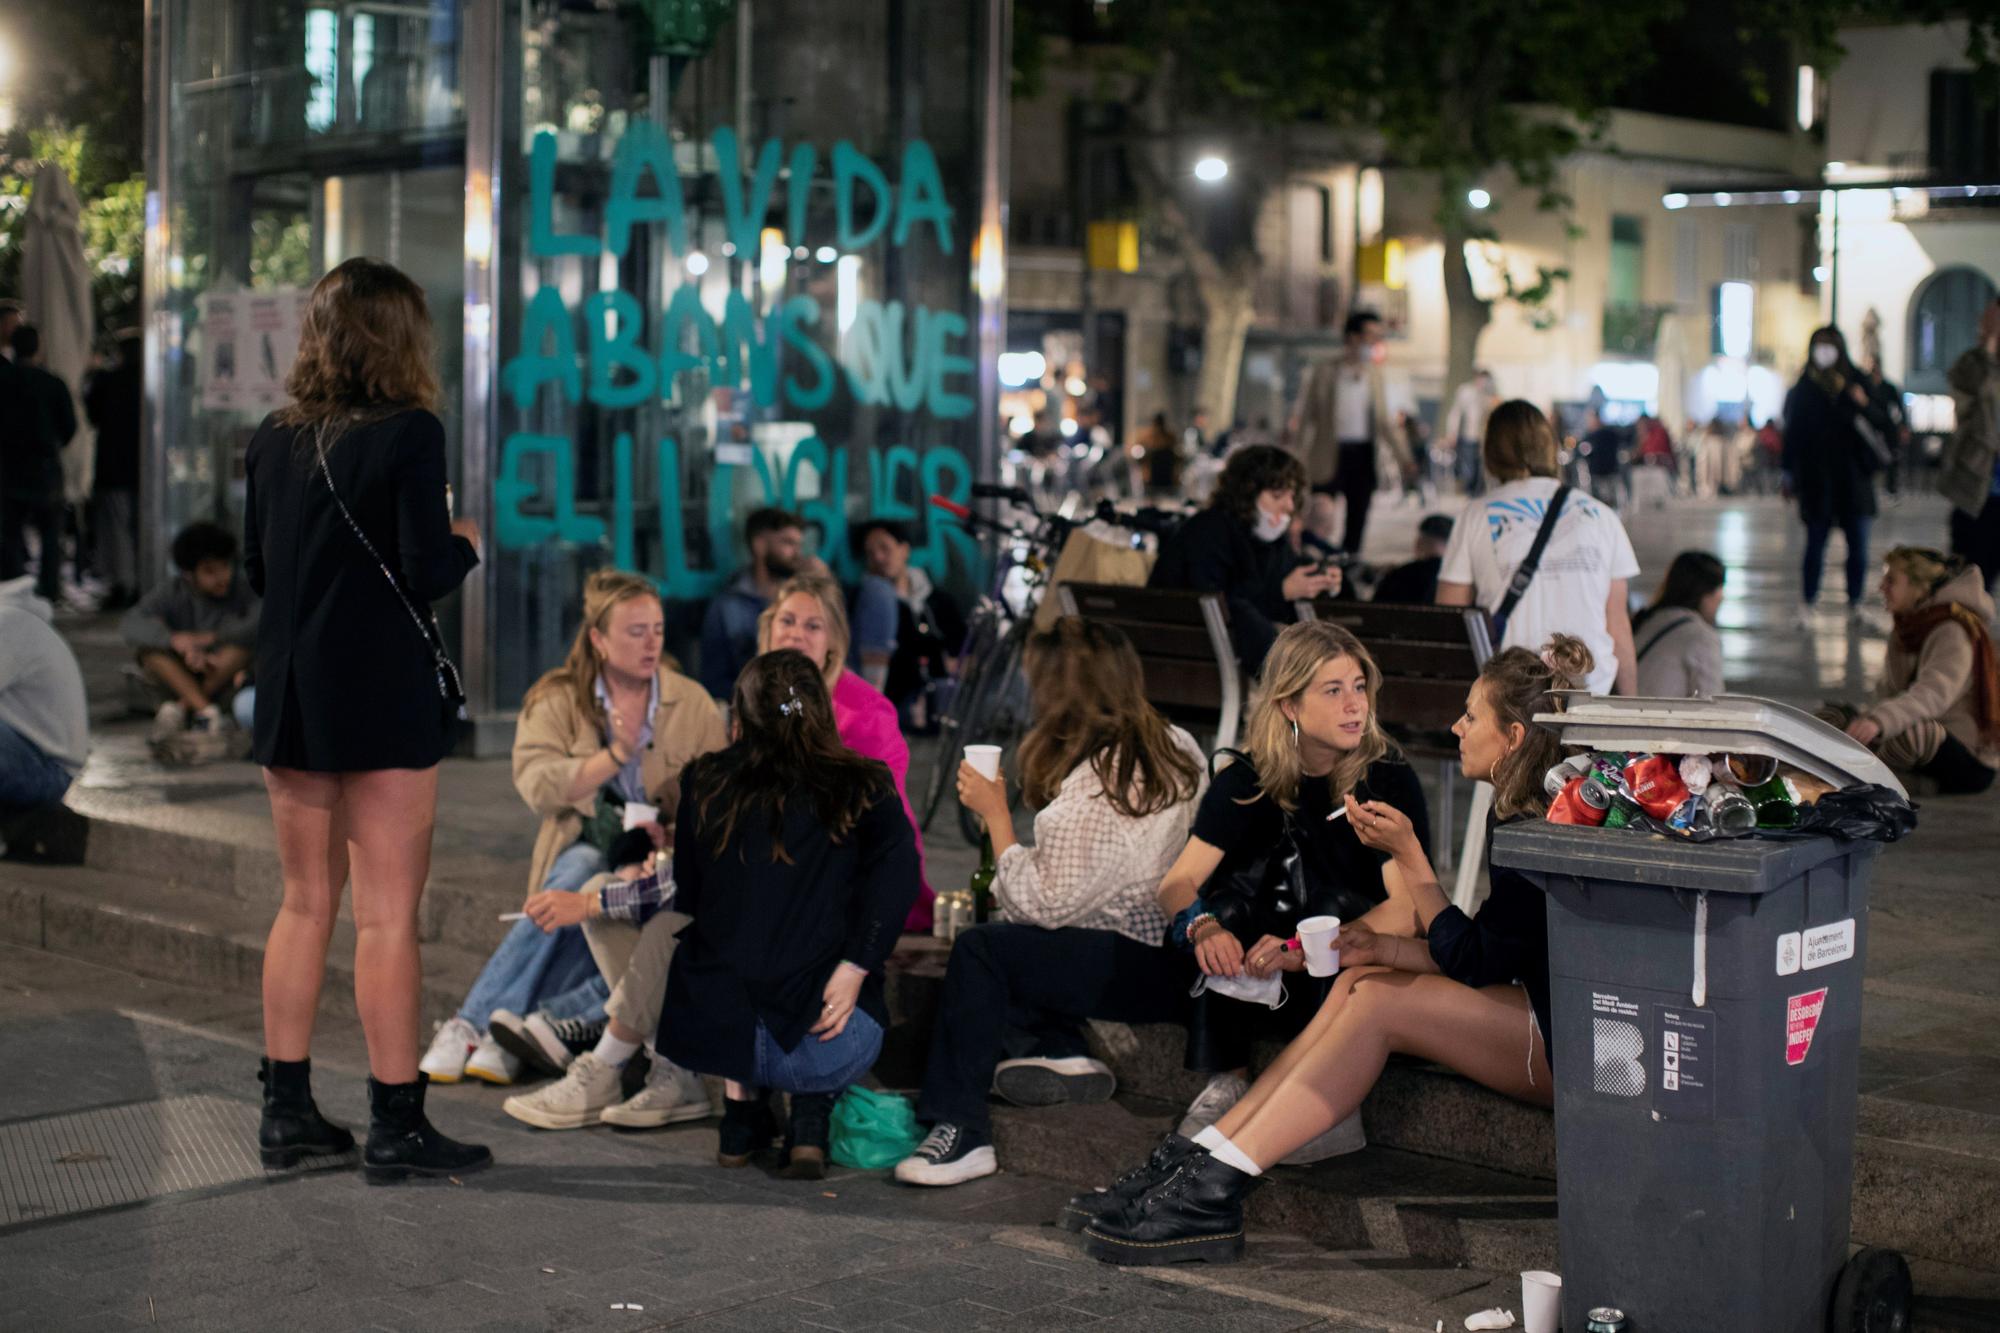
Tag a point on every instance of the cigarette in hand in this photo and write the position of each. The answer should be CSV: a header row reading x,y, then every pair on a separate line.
x,y
1336,814
513,916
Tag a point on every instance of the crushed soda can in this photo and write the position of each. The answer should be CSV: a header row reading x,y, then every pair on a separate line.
x,y
1654,785
1583,801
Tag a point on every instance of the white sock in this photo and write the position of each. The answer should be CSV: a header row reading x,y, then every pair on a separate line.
x,y
1228,1153
1210,1138
613,1051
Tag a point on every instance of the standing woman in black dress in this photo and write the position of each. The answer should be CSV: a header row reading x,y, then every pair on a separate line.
x,y
348,538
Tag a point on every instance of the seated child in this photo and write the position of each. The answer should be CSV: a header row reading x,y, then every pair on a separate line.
x,y
196,633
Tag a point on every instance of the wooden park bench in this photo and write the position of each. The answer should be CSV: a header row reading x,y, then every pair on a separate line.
x,y
1182,639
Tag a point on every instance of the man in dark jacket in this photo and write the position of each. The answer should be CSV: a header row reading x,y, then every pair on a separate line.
x,y
37,420
112,403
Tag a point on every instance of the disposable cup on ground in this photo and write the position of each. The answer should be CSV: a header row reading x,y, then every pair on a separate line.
x,y
1316,937
984,758
1541,1302
638,812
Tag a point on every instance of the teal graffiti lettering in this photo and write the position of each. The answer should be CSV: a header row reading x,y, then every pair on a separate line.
x,y
676,579
613,321
946,327
922,196
851,165
945,472
885,469
798,189
543,242
687,319
546,318
512,526
644,150
743,336
887,367
744,223
795,318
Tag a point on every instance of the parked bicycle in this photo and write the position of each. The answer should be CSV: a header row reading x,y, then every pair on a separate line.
x,y
988,702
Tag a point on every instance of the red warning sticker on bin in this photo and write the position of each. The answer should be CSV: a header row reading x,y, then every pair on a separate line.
x,y
1801,1021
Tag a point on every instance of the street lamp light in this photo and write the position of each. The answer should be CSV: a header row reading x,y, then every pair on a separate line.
x,y
1478,198
1210,169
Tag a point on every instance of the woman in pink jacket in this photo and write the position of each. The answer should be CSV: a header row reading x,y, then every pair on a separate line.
x,y
809,613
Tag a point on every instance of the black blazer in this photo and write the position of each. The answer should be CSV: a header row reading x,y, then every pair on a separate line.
x,y
1831,466
345,680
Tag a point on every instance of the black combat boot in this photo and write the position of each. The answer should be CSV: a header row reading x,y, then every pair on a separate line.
x,y
1084,1209
1194,1214
402,1142
747,1129
293,1128
806,1135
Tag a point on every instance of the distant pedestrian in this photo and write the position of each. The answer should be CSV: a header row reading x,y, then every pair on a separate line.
x,y
1680,654
1970,475
1341,425
1835,443
37,422
1465,427
1415,583
349,537
111,402
1603,449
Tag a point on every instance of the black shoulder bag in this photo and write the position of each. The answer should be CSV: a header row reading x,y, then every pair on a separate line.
x,y
1524,574
1269,893
451,691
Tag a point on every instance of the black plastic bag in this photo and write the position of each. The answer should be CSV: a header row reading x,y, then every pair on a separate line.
x,y
1871,811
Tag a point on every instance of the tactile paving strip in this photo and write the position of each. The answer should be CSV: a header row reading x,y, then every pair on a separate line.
x,y
115,1155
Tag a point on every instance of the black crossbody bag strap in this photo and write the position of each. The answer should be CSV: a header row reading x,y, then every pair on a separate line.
x,y
450,688
1524,574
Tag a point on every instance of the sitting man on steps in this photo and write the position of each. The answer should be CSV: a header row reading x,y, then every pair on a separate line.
x,y
632,937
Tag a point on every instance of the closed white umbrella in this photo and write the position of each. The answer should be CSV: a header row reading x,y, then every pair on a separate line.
x,y
55,285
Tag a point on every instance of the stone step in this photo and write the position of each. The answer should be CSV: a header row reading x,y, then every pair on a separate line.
x,y
151,927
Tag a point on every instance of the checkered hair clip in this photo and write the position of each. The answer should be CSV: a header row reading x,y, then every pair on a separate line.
x,y
791,706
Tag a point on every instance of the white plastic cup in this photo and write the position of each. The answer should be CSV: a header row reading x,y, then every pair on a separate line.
x,y
984,758
1316,937
637,813
1541,1302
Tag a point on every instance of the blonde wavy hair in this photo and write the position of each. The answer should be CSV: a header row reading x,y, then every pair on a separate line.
x,y
1297,656
603,592
832,604
365,348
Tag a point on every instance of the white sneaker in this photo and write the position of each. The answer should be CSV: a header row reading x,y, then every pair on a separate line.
x,y
1345,1137
209,720
1223,1091
453,1045
170,720
671,1095
572,1101
1041,1081
491,1064
947,1157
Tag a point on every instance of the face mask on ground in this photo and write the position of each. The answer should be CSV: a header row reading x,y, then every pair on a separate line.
x,y
1270,526
1824,355
1267,991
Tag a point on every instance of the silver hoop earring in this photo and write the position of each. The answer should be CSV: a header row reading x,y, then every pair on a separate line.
x,y
1295,733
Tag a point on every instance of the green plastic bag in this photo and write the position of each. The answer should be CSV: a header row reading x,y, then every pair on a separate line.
x,y
872,1130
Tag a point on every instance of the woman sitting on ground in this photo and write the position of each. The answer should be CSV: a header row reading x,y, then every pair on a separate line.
x,y
795,865
1313,741
613,725
1418,977
1080,935
1679,652
809,614
1240,547
1938,716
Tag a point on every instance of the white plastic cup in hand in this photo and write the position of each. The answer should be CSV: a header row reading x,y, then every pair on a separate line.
x,y
984,758
1541,1302
638,812
1316,937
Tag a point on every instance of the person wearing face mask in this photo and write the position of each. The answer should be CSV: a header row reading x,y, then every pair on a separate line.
x,y
1836,440
1312,741
1239,547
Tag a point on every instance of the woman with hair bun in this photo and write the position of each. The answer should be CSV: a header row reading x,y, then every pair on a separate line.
x,y
1420,978
1938,714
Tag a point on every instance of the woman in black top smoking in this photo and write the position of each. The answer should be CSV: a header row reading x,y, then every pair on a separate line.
x,y
1313,741
794,859
1418,977
350,718
1239,547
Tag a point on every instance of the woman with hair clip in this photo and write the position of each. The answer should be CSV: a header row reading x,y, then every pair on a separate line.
x,y
1236,892
348,538
1678,650
1418,977
613,726
808,614
795,863
1938,714
1835,442
1080,935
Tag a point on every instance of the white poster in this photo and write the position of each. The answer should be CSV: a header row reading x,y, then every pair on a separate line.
x,y
216,373
249,341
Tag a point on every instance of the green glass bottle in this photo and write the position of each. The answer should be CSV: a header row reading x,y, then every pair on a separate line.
x,y
981,887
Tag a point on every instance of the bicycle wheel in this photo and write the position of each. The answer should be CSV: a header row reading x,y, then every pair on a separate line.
x,y
980,642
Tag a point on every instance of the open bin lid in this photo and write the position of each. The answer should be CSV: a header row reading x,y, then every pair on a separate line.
x,y
1739,723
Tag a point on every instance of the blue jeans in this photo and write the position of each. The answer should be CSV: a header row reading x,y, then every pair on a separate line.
x,y
1856,531
819,1066
28,777
552,972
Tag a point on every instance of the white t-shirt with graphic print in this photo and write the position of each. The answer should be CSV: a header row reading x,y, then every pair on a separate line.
x,y
1586,552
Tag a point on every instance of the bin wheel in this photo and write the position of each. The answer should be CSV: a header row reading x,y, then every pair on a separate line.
x,y
1873,1294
